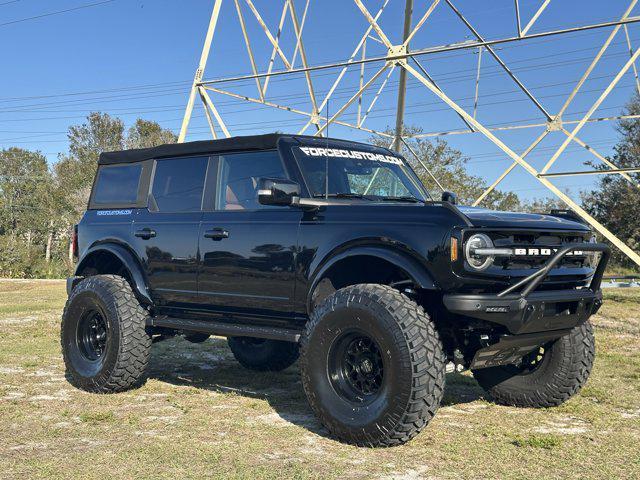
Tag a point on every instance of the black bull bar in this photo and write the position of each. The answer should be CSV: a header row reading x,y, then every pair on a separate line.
x,y
532,317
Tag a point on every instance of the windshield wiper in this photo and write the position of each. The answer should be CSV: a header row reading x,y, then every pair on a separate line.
x,y
406,198
344,195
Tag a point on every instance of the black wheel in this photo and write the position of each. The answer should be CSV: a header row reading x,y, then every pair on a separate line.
x,y
372,366
548,376
196,337
263,355
105,344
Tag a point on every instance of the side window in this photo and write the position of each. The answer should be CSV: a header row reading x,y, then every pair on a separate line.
x,y
379,181
239,174
178,184
117,185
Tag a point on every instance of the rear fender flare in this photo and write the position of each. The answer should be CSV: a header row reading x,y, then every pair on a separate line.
x,y
131,263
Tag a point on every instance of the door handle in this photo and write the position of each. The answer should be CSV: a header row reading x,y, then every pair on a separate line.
x,y
145,233
216,234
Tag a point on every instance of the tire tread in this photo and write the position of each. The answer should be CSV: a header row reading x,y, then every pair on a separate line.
x,y
414,328
134,343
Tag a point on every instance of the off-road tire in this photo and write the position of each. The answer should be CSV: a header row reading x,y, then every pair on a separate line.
x,y
413,377
562,372
128,344
263,355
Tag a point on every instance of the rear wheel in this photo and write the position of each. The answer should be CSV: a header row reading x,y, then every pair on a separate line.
x,y
372,366
104,340
548,376
262,354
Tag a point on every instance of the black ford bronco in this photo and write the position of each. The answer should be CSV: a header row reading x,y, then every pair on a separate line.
x,y
334,252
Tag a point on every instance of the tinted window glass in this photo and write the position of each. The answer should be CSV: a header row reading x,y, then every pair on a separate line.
x,y
178,184
239,174
334,172
117,185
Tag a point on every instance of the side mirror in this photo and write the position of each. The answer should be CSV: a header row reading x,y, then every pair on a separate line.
x,y
277,191
450,197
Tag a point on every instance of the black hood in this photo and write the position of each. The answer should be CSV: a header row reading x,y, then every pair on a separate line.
x,y
482,217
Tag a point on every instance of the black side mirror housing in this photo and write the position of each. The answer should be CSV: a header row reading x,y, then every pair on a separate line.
x,y
277,191
450,197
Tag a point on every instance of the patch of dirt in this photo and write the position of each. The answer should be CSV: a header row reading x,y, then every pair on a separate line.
x,y
313,446
11,370
418,473
29,446
60,395
287,419
563,426
13,396
18,320
631,413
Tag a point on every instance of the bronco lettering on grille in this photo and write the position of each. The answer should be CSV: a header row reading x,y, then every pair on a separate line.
x,y
541,252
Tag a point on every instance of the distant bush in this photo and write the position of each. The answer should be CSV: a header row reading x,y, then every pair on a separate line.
x,y
18,260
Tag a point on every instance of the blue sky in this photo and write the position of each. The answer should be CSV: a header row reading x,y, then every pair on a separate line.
x,y
136,58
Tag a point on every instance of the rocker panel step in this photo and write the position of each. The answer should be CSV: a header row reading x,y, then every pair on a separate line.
x,y
225,329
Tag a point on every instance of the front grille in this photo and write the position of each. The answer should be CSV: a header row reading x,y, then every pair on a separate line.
x,y
534,249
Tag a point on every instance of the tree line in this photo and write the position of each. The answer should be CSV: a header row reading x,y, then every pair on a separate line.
x,y
40,202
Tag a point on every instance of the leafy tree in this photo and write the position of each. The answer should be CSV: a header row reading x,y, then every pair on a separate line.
x,y
448,166
24,184
543,205
98,134
40,204
29,210
614,202
145,133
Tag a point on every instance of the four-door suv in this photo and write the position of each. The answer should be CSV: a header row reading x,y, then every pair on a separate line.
x,y
331,251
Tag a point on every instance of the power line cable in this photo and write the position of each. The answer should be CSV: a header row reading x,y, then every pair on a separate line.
x,y
59,12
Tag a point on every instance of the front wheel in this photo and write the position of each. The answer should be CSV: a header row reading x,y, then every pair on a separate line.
x,y
548,376
372,366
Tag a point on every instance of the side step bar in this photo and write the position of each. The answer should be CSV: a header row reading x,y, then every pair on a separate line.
x,y
225,329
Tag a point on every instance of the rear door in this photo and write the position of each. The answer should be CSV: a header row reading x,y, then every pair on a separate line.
x,y
166,234
248,250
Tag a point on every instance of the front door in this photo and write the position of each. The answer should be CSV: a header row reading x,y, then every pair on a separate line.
x,y
248,250
166,234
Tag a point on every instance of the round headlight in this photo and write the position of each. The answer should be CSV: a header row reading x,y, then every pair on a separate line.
x,y
478,260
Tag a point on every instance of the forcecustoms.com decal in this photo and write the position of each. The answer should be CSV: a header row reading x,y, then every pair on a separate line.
x,y
355,154
113,212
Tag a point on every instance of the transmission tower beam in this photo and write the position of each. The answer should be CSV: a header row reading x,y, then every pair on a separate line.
x,y
197,78
402,81
399,58
527,167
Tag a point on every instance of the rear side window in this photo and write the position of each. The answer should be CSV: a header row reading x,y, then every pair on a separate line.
x,y
117,185
178,184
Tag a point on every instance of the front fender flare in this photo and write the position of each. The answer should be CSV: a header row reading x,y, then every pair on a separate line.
x,y
130,262
411,266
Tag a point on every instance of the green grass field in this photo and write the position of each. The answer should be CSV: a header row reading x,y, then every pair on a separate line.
x,y
202,415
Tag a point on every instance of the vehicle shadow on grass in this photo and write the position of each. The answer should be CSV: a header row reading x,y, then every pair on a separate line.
x,y
210,366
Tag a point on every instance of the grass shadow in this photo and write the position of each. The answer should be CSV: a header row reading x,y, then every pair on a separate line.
x,y
211,366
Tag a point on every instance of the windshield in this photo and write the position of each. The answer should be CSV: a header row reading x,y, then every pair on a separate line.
x,y
335,172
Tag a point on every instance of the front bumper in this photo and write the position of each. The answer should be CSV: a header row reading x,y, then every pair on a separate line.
x,y
531,317
529,311
538,312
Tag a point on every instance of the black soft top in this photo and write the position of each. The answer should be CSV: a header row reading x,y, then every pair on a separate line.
x,y
232,144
